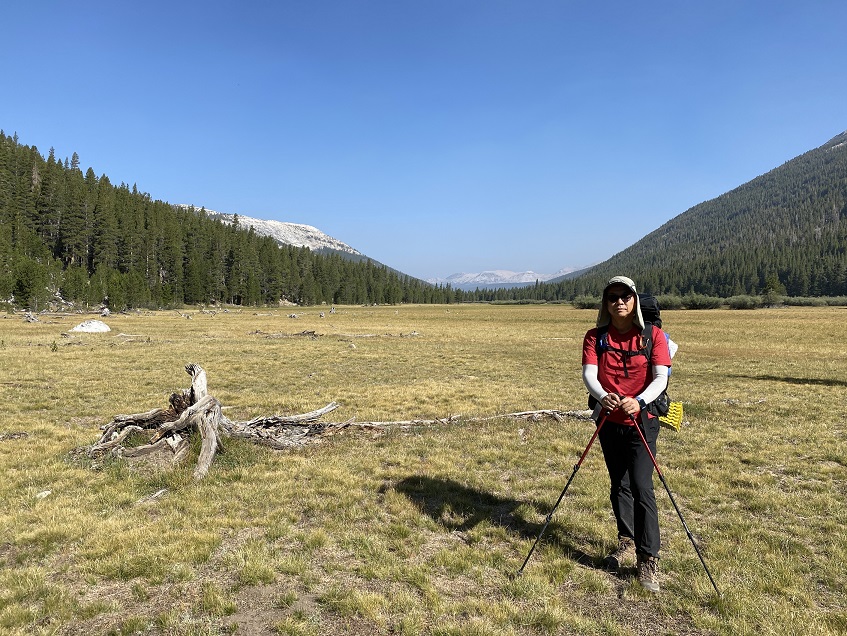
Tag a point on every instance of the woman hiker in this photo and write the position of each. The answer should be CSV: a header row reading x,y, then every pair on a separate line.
x,y
619,377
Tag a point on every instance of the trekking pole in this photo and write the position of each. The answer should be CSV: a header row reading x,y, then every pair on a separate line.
x,y
665,484
567,485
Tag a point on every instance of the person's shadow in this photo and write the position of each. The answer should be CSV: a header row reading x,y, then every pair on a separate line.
x,y
460,508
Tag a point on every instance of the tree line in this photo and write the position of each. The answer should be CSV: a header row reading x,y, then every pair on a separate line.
x,y
74,236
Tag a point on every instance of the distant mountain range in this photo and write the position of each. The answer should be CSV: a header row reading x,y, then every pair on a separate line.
x,y
498,279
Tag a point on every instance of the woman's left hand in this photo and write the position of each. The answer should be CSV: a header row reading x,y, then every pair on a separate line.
x,y
630,406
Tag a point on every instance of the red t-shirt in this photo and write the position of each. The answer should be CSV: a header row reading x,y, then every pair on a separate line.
x,y
637,376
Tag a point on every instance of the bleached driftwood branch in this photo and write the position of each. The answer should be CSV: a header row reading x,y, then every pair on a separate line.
x,y
194,409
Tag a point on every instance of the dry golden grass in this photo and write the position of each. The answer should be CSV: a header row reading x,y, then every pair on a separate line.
x,y
417,531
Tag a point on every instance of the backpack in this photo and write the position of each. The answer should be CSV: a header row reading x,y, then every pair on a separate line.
x,y
651,312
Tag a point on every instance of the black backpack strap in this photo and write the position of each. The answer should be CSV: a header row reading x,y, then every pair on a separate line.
x,y
647,340
601,344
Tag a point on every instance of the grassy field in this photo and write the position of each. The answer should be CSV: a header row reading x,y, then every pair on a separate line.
x,y
418,530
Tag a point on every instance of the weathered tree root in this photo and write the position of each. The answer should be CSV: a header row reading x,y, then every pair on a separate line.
x,y
195,410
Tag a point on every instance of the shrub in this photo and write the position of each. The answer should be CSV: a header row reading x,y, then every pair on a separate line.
x,y
668,301
743,302
771,298
586,302
804,301
699,301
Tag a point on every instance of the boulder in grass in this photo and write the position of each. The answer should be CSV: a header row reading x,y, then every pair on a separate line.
x,y
92,326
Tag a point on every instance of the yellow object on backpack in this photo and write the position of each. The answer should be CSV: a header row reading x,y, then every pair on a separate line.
x,y
674,417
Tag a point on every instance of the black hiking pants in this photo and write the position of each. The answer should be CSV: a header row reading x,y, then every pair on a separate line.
x,y
631,475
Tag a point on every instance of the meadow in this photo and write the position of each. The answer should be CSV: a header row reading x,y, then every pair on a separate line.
x,y
418,530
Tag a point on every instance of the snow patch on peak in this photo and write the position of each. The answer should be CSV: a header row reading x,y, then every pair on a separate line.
x,y
296,234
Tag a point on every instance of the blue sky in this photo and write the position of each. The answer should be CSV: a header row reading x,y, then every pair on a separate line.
x,y
434,136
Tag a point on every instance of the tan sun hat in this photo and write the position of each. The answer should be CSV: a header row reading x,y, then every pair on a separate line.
x,y
603,316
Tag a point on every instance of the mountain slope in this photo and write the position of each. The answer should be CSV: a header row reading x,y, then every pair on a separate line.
x,y
788,226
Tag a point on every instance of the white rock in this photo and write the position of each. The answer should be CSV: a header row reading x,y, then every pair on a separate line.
x,y
92,326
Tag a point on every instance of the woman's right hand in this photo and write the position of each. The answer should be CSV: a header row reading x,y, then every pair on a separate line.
x,y
611,401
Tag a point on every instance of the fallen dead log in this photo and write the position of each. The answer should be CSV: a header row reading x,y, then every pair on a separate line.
x,y
194,410
559,416
534,416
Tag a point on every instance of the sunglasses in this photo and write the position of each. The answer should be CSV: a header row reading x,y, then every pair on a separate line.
x,y
613,298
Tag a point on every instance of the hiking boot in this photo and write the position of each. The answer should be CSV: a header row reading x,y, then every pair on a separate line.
x,y
648,572
624,554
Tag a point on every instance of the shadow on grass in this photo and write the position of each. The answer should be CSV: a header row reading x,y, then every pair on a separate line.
x,y
460,508
790,380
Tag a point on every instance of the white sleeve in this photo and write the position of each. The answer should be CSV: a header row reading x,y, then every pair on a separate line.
x,y
589,377
655,388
